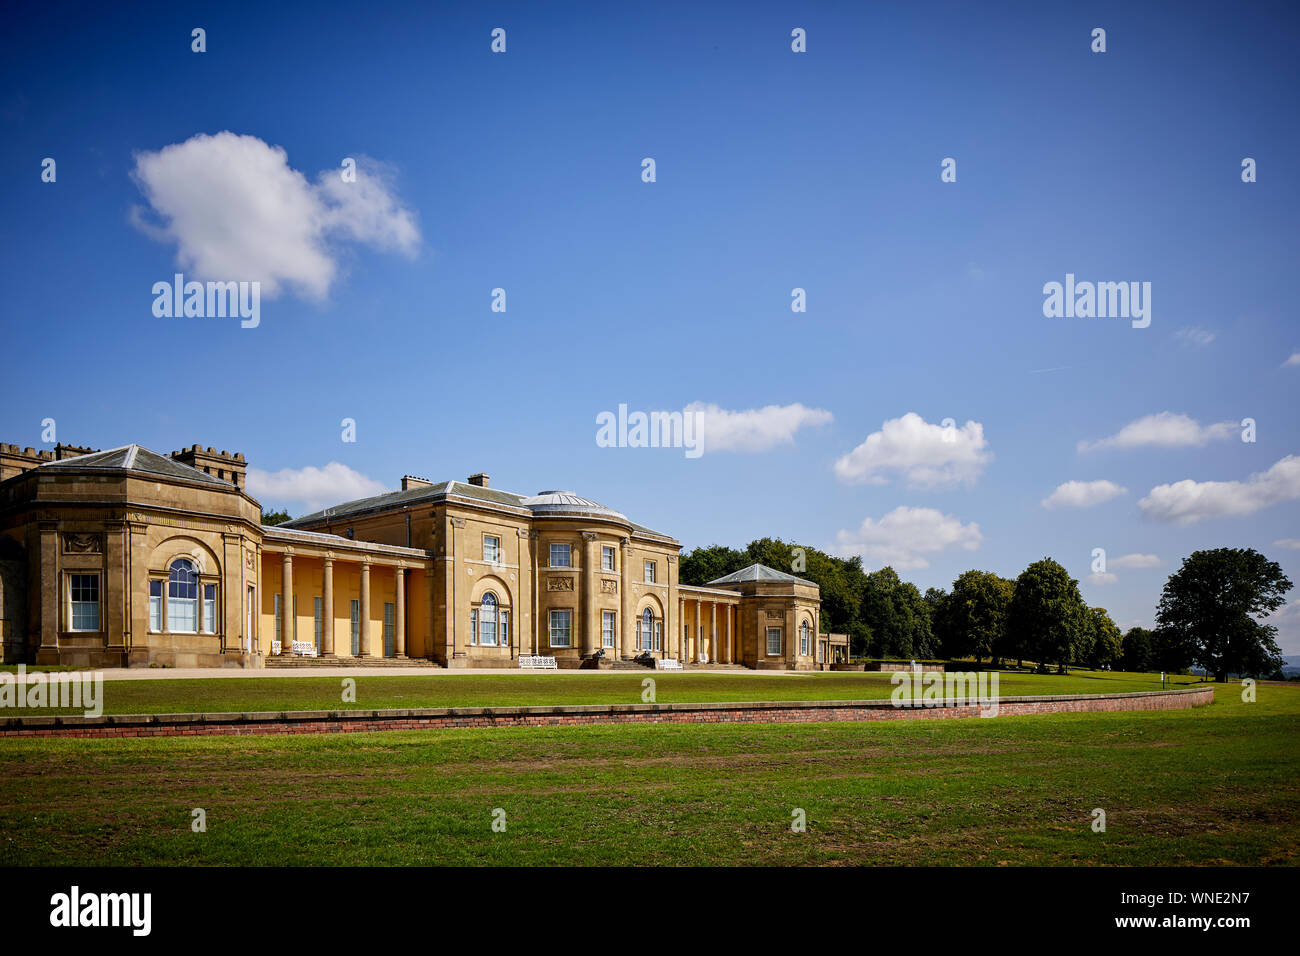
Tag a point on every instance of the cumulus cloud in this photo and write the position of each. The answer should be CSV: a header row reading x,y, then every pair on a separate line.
x,y
311,488
1083,494
1187,501
237,211
754,429
1292,544
1163,430
1287,621
924,455
905,536
1293,361
1136,561
1194,335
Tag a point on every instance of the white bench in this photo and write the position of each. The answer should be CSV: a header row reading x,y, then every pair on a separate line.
x,y
538,663
667,664
300,649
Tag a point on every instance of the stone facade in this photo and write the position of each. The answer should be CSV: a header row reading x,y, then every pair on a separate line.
x,y
127,557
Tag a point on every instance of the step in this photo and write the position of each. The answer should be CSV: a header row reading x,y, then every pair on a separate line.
x,y
310,662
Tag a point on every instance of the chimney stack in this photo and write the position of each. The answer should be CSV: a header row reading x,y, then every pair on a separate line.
x,y
481,479
410,481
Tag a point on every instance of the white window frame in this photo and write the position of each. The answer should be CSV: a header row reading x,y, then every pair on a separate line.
x,y
779,641
492,555
608,628
608,559
209,622
650,572
156,605
489,607
179,604
565,614
564,549
84,604
804,650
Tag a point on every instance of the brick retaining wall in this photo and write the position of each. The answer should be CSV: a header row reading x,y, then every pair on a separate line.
x,y
765,712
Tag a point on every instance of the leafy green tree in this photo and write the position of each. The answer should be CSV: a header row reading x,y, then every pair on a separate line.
x,y
275,517
1046,620
703,565
1138,650
975,615
1107,645
1212,604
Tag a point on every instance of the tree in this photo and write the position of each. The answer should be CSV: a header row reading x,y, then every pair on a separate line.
x,y
1107,646
975,615
1211,605
708,564
274,517
1046,619
1138,650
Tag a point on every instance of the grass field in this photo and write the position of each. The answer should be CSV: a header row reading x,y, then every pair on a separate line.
x,y
162,696
1215,785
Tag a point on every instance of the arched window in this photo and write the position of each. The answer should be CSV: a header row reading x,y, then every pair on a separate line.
x,y
645,633
804,639
182,597
487,620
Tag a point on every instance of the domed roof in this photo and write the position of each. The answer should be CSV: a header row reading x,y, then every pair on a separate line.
x,y
567,502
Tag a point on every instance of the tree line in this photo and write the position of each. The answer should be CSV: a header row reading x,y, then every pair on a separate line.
x,y
1208,613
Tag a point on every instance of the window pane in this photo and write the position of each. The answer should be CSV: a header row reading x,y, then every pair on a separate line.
x,y
561,628
209,609
155,605
774,640
182,597
607,559
560,556
84,593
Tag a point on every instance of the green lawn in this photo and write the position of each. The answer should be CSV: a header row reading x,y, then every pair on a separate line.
x,y
224,695
1213,785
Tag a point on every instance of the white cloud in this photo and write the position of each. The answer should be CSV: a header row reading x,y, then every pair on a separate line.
x,y
312,488
238,211
1136,561
904,537
925,455
1194,335
1083,494
1163,430
1102,578
1292,361
754,429
1287,621
1291,543
1187,501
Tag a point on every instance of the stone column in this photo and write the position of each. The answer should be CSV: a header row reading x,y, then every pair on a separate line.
x,y
714,654
590,624
288,621
50,596
626,626
363,641
327,612
399,632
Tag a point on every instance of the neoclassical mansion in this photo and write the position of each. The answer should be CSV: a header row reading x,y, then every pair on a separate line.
x,y
128,557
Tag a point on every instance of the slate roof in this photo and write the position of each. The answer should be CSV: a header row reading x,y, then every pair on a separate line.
x,y
757,572
137,459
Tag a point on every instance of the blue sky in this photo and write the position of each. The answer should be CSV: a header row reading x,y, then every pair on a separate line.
x,y
775,170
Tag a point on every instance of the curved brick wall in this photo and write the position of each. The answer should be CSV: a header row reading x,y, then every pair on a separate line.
x,y
766,712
